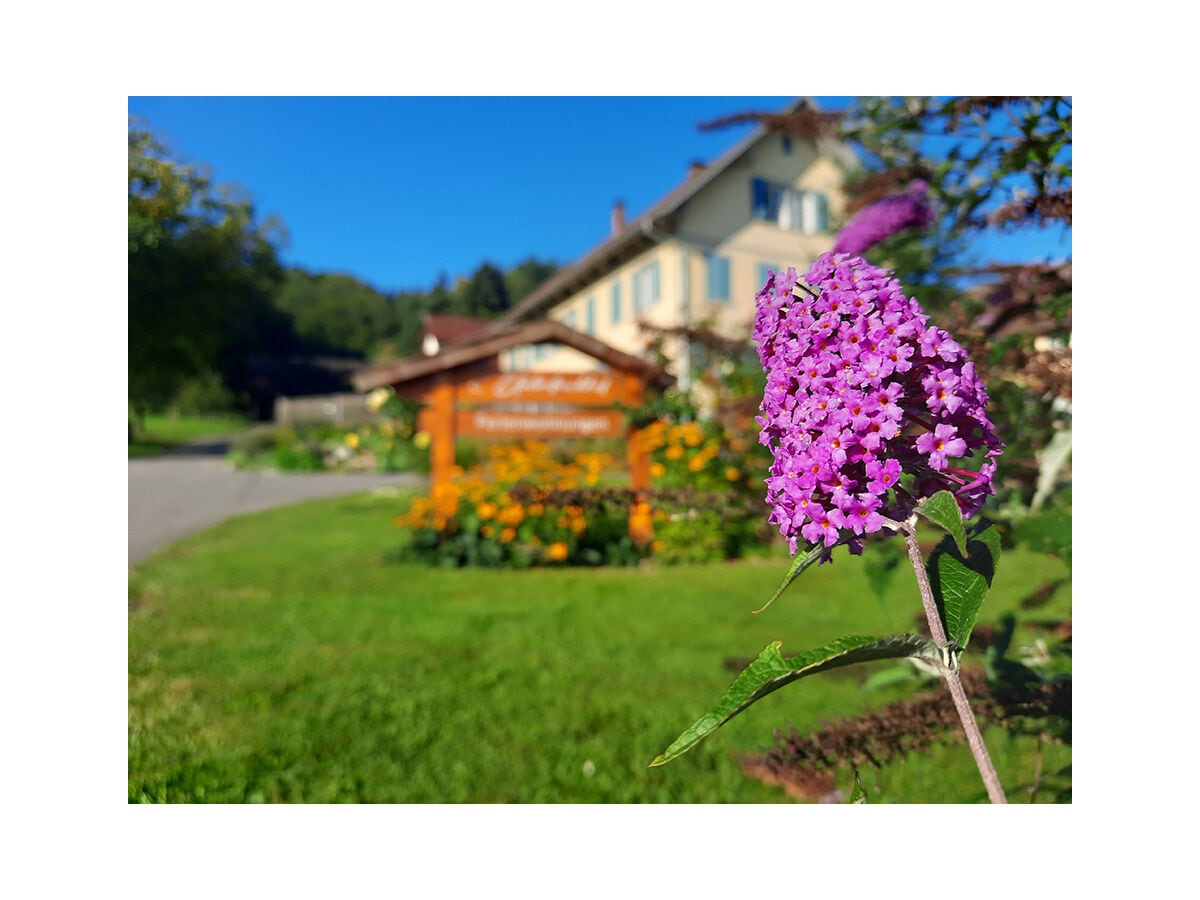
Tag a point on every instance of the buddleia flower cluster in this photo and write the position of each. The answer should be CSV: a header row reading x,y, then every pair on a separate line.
x,y
886,217
866,407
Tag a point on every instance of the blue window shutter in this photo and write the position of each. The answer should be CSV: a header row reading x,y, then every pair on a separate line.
x,y
616,302
759,201
654,296
591,315
718,277
822,214
763,270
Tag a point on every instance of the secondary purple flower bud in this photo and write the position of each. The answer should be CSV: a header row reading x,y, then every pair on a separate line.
x,y
861,391
886,217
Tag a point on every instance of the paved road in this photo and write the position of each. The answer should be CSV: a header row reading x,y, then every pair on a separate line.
x,y
193,488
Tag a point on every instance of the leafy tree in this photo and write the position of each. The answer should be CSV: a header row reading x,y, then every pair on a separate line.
x,y
334,313
201,273
527,277
487,294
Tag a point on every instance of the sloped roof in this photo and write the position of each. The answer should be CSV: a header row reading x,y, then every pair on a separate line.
x,y
488,344
452,329
635,237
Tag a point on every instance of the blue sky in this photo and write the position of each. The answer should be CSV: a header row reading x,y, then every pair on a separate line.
x,y
398,190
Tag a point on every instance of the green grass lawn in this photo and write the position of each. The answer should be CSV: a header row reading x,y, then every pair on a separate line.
x,y
162,432
279,657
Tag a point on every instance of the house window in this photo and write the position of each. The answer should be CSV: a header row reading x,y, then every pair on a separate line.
x,y
790,209
616,302
765,269
718,277
645,287
591,315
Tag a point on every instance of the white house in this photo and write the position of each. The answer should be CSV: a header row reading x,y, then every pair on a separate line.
x,y
698,255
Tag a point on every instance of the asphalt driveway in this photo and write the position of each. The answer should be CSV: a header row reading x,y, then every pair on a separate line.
x,y
193,488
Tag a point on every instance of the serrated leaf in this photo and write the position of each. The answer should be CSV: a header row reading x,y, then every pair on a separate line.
x,y
857,794
942,510
961,581
771,671
799,564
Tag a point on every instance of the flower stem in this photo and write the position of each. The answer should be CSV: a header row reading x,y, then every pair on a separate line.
x,y
974,736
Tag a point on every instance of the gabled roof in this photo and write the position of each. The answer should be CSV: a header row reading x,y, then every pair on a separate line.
x,y
452,329
483,346
636,237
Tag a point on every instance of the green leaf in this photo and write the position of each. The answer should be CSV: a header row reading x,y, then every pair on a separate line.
x,y
961,581
799,564
942,510
771,671
857,794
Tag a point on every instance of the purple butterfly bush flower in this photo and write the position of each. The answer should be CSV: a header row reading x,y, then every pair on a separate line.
x,y
884,218
861,390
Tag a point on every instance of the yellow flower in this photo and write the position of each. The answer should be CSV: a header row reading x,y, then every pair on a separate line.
x,y
696,463
657,470
378,397
732,474
641,524
487,531
674,452
557,551
351,441
422,439
508,534
486,510
511,515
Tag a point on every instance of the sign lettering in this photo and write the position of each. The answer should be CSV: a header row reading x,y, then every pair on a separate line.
x,y
500,423
576,388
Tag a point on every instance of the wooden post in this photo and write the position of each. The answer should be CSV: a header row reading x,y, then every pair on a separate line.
x,y
437,418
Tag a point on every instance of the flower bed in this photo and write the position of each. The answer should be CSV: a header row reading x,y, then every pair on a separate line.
x,y
525,505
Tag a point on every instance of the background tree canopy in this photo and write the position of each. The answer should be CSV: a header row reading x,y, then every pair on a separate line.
x,y
202,271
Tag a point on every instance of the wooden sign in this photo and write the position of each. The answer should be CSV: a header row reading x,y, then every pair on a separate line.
x,y
573,388
499,423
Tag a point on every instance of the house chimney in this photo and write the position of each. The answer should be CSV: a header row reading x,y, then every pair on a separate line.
x,y
618,217
695,168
